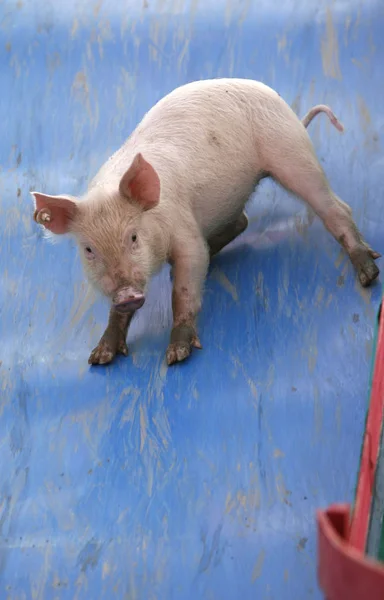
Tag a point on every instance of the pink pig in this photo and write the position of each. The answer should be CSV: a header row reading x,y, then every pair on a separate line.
x,y
176,191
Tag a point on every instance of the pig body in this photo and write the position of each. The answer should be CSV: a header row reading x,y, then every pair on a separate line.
x,y
210,143
176,191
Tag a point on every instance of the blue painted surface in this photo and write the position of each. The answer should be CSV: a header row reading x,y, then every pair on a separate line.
x,y
199,481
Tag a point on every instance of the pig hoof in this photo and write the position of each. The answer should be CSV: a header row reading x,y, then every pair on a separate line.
x,y
104,353
368,274
177,352
363,261
122,348
101,355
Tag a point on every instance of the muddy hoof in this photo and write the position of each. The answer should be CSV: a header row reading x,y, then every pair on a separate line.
x,y
363,260
101,355
178,352
183,338
104,353
368,273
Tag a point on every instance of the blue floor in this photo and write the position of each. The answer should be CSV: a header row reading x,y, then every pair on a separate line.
x,y
201,481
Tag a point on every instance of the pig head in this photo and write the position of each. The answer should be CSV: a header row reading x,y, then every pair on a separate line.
x,y
120,238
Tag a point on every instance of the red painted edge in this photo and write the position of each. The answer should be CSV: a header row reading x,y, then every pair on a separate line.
x,y
370,450
344,573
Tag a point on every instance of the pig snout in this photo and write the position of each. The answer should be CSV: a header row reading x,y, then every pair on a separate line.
x,y
128,299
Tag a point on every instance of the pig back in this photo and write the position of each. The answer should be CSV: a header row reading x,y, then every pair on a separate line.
x,y
204,141
204,138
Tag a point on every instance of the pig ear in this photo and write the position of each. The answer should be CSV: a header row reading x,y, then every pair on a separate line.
x,y
55,213
141,183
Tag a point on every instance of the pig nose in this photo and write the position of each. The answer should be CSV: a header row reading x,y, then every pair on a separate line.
x,y
127,300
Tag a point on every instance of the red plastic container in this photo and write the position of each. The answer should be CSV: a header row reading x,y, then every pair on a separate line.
x,y
344,571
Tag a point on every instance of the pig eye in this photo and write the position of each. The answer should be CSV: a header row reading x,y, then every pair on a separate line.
x,y
134,237
89,252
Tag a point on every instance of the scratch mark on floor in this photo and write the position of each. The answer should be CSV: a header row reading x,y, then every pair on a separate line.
x,y
223,280
258,568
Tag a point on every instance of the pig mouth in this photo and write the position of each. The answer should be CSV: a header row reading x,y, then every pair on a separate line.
x,y
128,300
128,307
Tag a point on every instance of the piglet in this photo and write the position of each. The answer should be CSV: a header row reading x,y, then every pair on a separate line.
x,y
176,191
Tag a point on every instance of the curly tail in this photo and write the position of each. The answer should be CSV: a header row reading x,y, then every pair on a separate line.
x,y
325,109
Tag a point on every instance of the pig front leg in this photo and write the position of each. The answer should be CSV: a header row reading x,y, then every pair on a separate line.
x,y
225,236
113,340
189,266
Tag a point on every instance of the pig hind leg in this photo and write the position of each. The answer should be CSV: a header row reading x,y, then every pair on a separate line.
x,y
298,170
221,239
